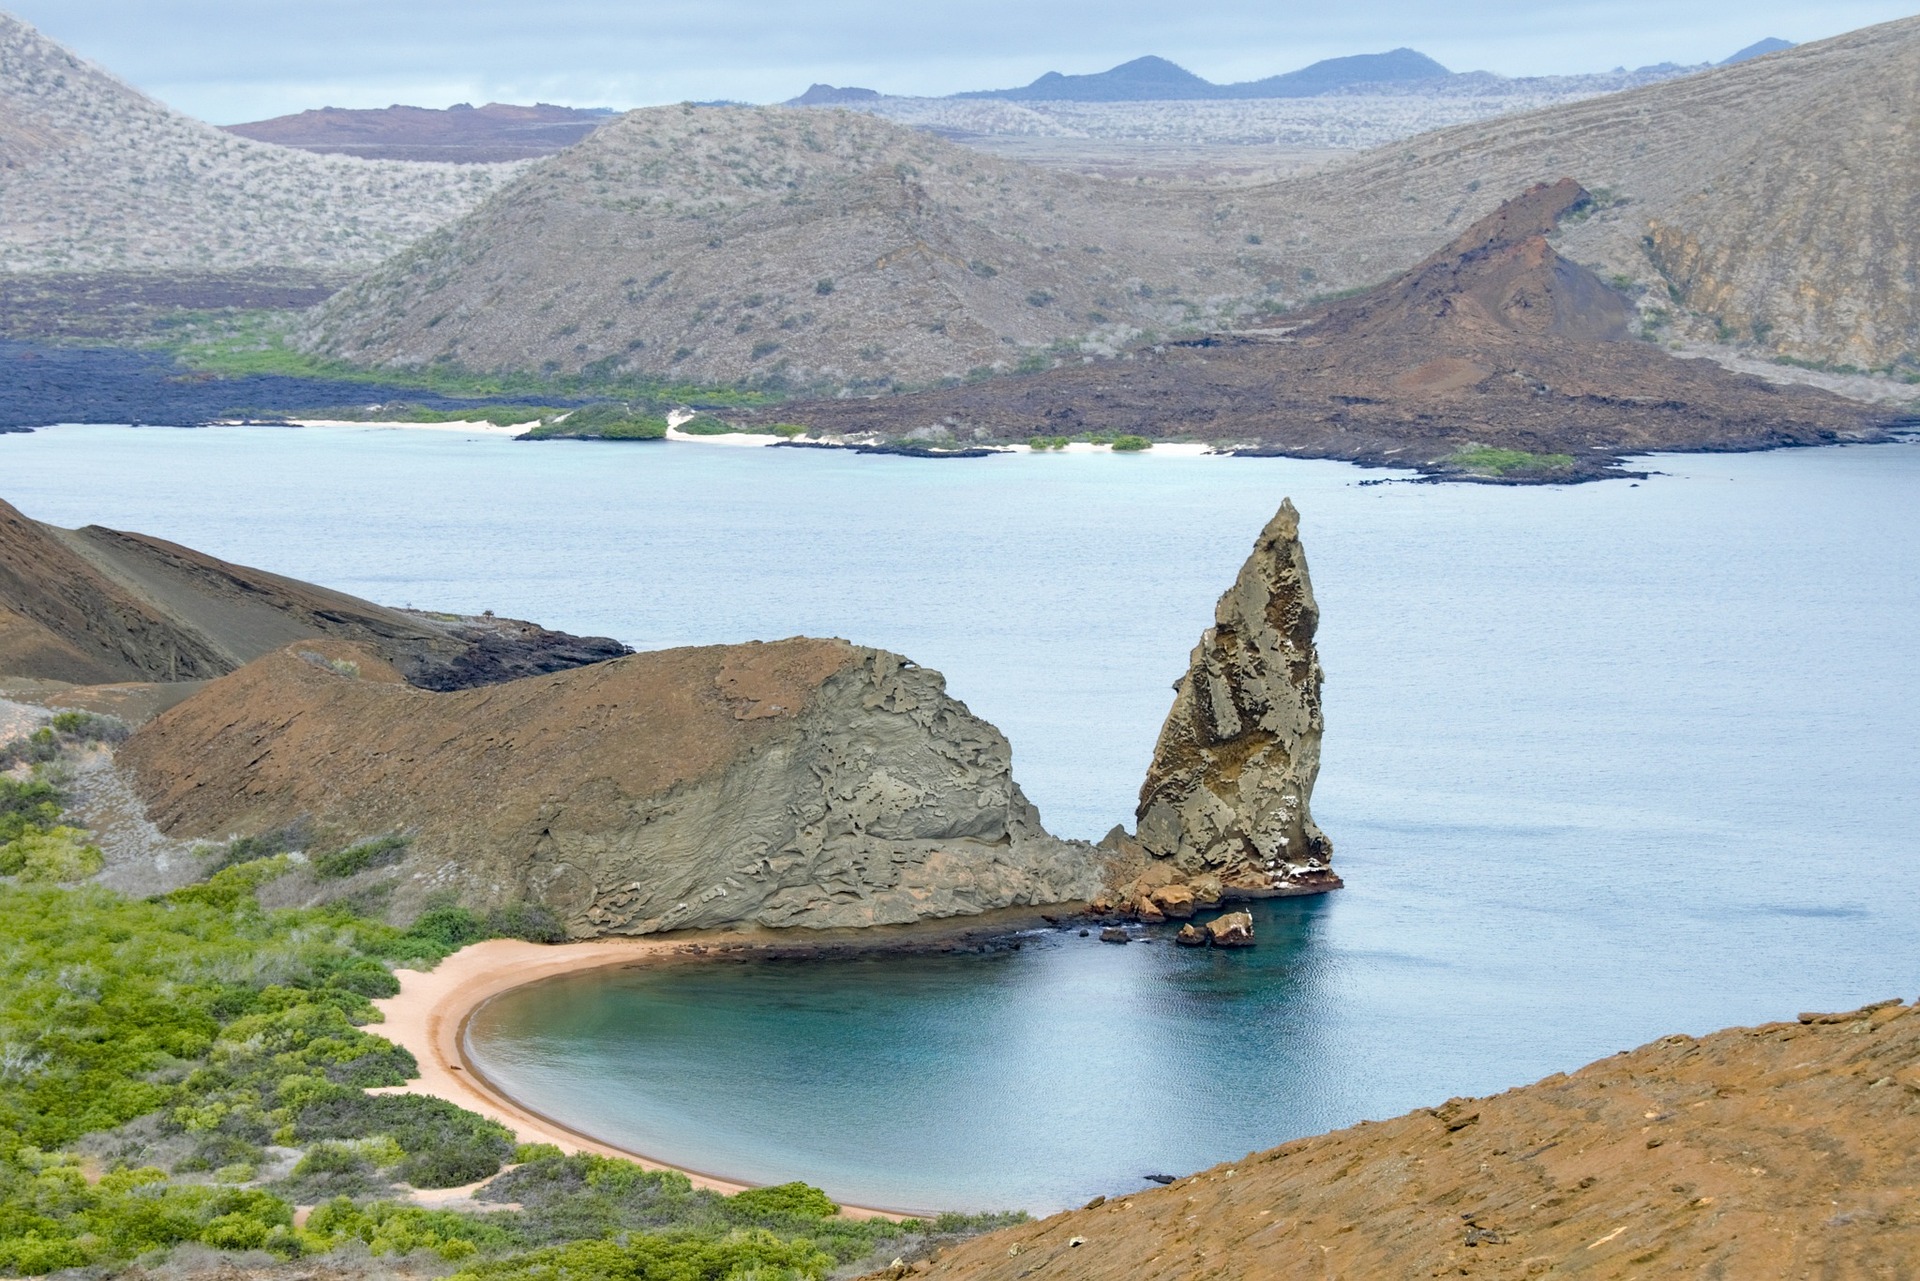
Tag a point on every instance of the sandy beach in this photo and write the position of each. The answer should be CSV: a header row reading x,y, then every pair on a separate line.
x,y
469,428
429,1016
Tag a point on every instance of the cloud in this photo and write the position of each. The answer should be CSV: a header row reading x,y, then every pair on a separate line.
x,y
229,60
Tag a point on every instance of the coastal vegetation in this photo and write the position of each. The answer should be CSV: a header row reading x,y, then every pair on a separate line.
x,y
192,1067
1482,460
600,422
241,344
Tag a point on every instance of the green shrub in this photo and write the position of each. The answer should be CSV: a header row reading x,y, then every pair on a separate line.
x,y
706,425
757,1255
382,851
445,1146
58,855
1040,444
449,927
529,921
29,806
1130,444
795,1199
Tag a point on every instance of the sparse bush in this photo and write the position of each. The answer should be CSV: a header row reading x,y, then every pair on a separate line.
x,y
383,851
1130,444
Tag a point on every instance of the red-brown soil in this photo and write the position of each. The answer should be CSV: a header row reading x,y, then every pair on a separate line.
x,y
474,135
1495,340
1789,1150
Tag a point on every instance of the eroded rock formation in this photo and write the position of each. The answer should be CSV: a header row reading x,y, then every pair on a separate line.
x,y
1224,809
802,782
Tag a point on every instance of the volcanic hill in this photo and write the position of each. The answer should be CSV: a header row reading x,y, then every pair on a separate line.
x,y
96,606
462,134
96,176
1768,203
1787,1150
1495,342
739,243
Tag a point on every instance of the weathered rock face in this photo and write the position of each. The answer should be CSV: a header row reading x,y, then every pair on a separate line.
x,y
806,783
1226,798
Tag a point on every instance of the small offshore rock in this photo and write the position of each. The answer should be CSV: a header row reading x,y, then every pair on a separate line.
x,y
1161,1179
1192,935
1235,929
1113,934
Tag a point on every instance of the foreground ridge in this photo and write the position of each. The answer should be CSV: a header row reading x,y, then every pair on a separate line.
x,y
1788,1149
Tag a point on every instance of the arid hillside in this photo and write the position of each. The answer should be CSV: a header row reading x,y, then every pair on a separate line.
x,y
1496,342
820,246
95,176
94,606
463,134
1768,203
1789,1150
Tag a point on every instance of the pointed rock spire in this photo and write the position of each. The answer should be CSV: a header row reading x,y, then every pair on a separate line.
x,y
1227,795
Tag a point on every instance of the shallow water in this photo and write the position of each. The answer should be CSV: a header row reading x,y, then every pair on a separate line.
x,y
1602,762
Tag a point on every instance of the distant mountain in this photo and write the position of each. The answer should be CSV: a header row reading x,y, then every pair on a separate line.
x,y
1393,67
1152,79
462,133
819,95
1772,44
96,176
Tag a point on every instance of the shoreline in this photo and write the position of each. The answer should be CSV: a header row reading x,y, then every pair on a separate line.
x,y
430,1014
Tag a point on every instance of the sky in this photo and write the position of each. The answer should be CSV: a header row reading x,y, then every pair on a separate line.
x,y
233,60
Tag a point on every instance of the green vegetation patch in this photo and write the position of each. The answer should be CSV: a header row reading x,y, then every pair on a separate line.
x,y
237,344
1131,444
1482,460
383,851
600,422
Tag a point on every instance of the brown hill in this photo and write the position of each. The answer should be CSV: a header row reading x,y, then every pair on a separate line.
x,y
1495,341
1789,1150
800,783
96,176
1777,196
803,244
462,134
94,606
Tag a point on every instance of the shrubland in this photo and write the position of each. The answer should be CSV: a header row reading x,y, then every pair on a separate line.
x,y
192,1068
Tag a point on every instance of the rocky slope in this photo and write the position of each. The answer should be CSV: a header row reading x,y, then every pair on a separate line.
x,y
805,783
1497,341
1787,1150
815,246
462,134
793,244
95,176
1228,794
1779,194
94,606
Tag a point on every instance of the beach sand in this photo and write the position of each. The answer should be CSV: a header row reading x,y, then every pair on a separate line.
x,y
429,1017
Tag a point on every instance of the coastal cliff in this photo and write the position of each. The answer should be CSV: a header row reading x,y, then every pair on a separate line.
x,y
1224,811
809,783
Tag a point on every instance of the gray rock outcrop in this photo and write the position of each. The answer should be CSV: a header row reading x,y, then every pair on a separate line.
x,y
1225,805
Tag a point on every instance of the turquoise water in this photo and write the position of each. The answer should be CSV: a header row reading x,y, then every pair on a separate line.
x,y
1602,763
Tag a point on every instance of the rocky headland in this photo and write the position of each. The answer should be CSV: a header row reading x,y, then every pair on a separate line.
x,y
808,783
